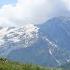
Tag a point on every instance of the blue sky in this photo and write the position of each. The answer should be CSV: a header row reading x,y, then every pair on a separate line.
x,y
2,2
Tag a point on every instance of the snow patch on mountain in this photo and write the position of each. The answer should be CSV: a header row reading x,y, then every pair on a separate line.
x,y
60,55
17,37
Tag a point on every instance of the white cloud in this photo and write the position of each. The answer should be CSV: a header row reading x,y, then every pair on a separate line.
x,y
28,11
25,11
67,4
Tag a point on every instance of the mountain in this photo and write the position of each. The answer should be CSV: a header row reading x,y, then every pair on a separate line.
x,y
58,29
47,44
65,66
17,37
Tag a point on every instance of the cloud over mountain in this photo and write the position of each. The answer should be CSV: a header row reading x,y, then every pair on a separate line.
x,y
30,11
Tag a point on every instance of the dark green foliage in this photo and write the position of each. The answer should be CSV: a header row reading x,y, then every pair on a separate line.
x,y
8,65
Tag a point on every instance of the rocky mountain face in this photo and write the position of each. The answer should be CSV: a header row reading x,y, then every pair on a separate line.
x,y
46,44
13,38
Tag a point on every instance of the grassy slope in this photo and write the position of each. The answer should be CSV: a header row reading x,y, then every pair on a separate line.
x,y
8,65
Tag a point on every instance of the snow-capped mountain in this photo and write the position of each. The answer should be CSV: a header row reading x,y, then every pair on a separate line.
x,y
44,44
16,37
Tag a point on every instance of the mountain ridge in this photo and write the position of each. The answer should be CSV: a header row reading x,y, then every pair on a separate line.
x,y
46,42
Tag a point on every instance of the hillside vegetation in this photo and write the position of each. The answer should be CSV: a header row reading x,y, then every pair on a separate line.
x,y
8,65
